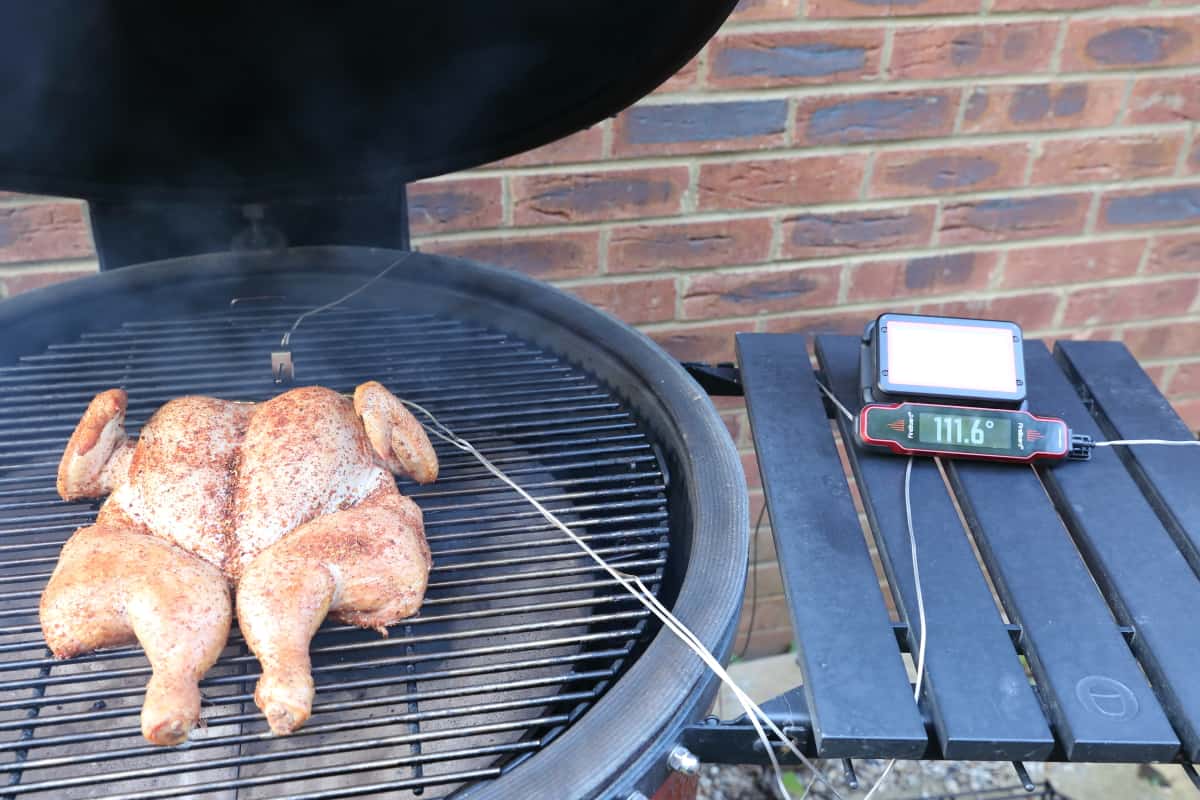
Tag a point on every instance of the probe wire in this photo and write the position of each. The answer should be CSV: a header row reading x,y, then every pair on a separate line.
x,y
1168,442
287,337
634,585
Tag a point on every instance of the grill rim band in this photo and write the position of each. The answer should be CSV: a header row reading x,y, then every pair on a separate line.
x,y
622,740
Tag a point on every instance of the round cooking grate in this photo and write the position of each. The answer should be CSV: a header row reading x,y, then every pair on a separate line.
x,y
518,635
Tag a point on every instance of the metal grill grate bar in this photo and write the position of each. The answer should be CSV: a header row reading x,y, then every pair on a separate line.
x,y
306,732
609,654
406,697
386,763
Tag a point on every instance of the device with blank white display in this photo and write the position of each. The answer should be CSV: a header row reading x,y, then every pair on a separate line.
x,y
943,359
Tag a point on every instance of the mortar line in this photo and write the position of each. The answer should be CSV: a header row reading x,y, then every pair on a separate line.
x,y
1060,43
862,86
875,304
1148,184
800,151
858,258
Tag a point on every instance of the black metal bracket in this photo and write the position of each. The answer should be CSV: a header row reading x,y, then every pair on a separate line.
x,y
718,380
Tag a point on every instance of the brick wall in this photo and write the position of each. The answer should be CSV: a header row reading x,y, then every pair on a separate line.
x,y
824,160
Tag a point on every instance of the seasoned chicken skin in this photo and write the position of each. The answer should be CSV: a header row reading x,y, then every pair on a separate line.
x,y
289,505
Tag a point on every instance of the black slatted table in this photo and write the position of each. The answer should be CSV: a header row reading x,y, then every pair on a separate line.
x,y
1060,601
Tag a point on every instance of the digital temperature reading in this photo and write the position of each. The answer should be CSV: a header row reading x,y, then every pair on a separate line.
x,y
936,430
958,429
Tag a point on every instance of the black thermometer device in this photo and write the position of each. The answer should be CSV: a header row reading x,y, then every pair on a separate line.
x,y
944,386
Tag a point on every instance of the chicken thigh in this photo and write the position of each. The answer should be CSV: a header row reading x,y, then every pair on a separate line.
x,y
288,504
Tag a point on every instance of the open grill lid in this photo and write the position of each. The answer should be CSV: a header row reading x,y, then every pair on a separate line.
x,y
240,102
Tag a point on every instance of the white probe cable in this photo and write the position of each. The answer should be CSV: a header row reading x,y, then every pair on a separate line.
x,y
287,337
634,586
1168,442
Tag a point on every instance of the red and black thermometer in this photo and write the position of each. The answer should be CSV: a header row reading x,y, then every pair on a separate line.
x,y
994,434
946,386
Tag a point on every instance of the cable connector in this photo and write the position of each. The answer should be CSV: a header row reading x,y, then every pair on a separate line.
x,y
1081,447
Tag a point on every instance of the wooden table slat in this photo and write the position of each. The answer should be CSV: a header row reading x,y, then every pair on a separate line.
x,y
1134,559
978,693
854,679
1129,406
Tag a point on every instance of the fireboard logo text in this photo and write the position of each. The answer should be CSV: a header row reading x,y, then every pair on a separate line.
x,y
912,428
1021,435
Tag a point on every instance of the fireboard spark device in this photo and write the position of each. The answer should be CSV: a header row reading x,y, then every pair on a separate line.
x,y
944,386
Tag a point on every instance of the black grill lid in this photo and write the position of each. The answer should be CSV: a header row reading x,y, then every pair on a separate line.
x,y
136,99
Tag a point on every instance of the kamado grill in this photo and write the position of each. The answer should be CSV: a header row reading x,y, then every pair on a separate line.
x,y
529,672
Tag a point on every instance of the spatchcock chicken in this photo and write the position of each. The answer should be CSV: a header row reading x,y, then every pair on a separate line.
x,y
288,505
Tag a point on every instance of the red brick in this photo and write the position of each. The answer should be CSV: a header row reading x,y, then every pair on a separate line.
x,y
952,51
717,126
1042,106
757,10
817,235
1006,218
780,182
1179,253
746,293
1186,380
635,302
1162,341
1115,158
1164,100
603,196
1094,44
562,255
1054,265
1058,5
711,342
1033,312
754,60
762,644
643,248
1143,301
1189,410
1158,375
687,78
927,275
848,323
894,8
736,424
586,145
35,279
750,467
1158,207
946,170
44,232
455,205
770,613
875,117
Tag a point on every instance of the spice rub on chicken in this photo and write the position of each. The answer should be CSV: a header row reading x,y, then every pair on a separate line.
x,y
289,506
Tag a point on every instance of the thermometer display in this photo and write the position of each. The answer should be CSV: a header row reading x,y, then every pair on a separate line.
x,y
964,429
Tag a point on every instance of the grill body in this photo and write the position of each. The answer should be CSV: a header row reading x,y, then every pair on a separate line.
x,y
528,672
